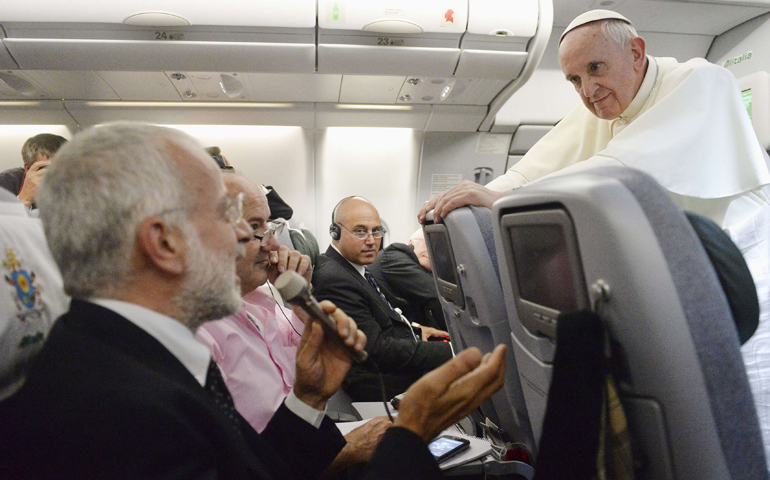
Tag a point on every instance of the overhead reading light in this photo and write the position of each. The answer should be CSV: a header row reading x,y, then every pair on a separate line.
x,y
445,91
453,89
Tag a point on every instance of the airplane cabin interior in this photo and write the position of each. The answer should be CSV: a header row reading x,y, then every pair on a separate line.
x,y
398,101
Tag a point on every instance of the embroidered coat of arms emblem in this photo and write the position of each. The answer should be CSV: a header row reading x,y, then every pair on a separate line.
x,y
26,293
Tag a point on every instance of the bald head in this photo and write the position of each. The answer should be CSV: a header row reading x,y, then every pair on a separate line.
x,y
252,193
351,204
417,241
357,215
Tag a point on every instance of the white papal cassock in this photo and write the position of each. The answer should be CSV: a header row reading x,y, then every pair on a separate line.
x,y
688,128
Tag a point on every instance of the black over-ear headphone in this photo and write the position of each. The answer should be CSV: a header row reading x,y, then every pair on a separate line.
x,y
334,230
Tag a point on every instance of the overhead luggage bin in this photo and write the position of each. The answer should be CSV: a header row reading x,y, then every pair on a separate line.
x,y
495,45
469,39
393,37
254,13
145,35
6,61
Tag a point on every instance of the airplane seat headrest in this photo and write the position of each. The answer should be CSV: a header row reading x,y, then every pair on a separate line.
x,y
478,318
626,248
733,274
483,217
305,242
698,291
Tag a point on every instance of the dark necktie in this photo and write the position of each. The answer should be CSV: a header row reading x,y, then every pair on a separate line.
x,y
370,278
216,387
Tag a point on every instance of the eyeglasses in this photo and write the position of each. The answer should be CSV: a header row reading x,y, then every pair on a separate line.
x,y
376,233
234,208
264,239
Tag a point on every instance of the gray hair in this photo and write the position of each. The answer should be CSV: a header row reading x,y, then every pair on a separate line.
x,y
46,143
619,31
101,187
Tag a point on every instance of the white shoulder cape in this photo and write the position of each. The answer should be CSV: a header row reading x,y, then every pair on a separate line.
x,y
692,135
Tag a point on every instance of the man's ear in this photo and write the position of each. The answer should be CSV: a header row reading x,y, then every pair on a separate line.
x,y
163,246
639,52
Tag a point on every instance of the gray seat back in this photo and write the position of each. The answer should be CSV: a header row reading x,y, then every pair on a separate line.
x,y
477,316
680,374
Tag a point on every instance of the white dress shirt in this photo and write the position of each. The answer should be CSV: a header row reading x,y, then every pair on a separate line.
x,y
181,342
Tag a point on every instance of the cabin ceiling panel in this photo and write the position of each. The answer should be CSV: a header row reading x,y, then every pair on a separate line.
x,y
664,16
80,85
478,92
150,55
94,113
490,64
267,87
370,89
42,112
219,87
18,85
455,118
141,86
361,59
449,90
681,47
415,117
544,100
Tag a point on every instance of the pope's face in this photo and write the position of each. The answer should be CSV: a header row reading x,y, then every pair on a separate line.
x,y
605,75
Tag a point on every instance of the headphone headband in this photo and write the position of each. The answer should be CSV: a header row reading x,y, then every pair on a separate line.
x,y
334,229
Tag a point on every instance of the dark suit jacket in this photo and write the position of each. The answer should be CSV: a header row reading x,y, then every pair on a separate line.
x,y
398,270
104,399
389,340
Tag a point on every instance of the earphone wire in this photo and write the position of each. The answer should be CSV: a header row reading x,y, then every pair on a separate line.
x,y
281,309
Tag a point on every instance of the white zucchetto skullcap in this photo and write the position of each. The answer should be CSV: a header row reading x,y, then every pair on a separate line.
x,y
593,16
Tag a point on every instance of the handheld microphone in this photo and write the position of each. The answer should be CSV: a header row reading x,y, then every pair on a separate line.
x,y
293,289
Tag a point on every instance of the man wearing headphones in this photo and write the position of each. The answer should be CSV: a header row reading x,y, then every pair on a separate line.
x,y
400,349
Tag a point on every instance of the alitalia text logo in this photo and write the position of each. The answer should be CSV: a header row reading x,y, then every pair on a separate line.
x,y
735,61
